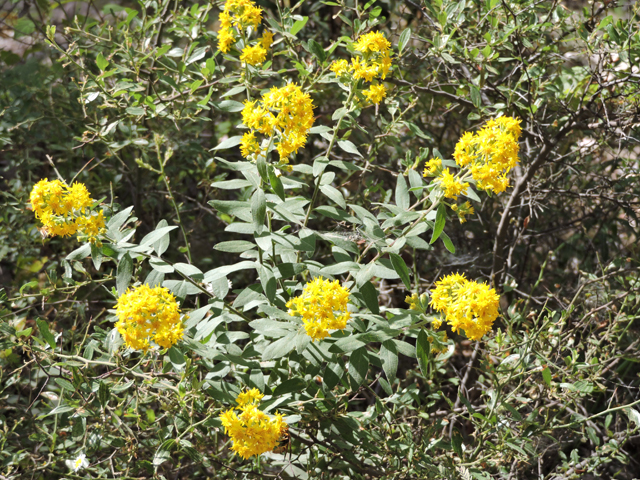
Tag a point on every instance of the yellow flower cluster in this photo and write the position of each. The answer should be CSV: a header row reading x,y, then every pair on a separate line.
x,y
467,305
463,210
145,314
236,17
490,153
65,211
452,185
252,431
322,306
374,62
286,113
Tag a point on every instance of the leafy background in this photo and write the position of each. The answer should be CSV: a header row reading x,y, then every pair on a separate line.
x,y
127,85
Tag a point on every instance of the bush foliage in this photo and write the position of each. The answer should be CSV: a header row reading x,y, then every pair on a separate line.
x,y
285,195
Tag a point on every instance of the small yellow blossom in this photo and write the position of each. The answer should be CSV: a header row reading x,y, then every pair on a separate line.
x,y
412,300
490,153
267,39
467,305
146,314
249,144
322,306
463,210
340,67
237,16
254,55
65,211
432,167
286,112
375,93
451,186
253,432
372,42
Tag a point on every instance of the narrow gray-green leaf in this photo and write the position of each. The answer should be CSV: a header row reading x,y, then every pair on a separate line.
x,y
358,367
401,269
422,352
258,210
125,271
441,219
389,356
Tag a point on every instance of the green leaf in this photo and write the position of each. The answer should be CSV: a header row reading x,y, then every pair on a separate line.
x,y
125,271
475,96
228,143
268,282
228,106
118,219
189,270
176,357
358,367
441,219
448,244
298,25
370,295
163,453
546,376
279,348
334,194
154,237
402,193
96,256
235,246
317,50
405,36
389,356
101,62
422,352
80,253
276,183
161,245
43,326
401,269
258,210
349,147
103,394
290,386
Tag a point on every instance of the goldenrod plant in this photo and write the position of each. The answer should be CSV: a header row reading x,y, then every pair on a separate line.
x,y
336,239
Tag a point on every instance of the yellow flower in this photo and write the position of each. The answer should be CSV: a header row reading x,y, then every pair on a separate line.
x,y
432,167
238,14
372,42
462,210
340,67
253,432
286,112
65,211
412,300
146,314
322,306
267,39
490,153
249,144
467,305
253,55
375,93
362,70
452,186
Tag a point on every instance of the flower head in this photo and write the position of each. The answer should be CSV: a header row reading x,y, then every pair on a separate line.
x,y
286,112
64,210
375,93
254,55
452,186
146,314
467,305
253,432
432,167
322,306
237,16
490,153
78,463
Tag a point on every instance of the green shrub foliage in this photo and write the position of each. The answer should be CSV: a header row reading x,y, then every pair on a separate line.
x,y
332,239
